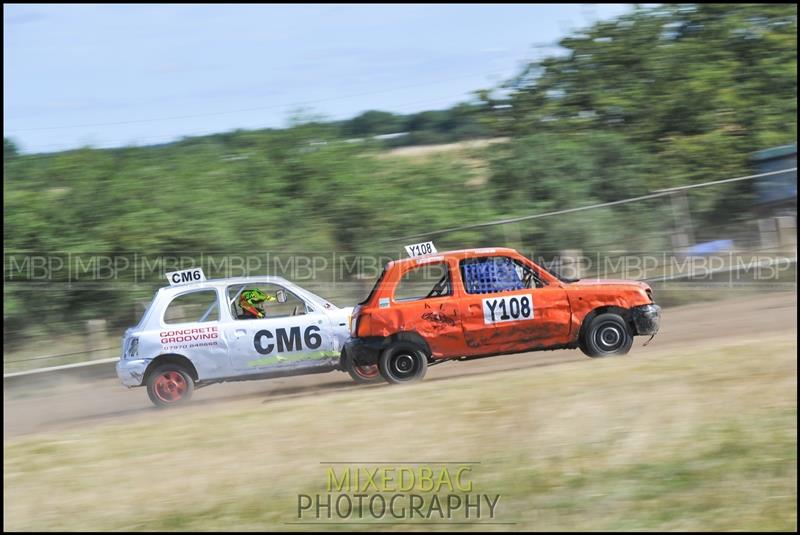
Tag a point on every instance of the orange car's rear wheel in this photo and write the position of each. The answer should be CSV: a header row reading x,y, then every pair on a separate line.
x,y
403,362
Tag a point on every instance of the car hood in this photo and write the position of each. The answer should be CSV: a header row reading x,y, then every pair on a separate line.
x,y
612,282
341,314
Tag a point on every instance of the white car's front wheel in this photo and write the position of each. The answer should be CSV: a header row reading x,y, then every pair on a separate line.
x,y
362,374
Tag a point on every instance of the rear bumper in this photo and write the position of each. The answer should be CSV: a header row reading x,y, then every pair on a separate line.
x,y
646,318
131,372
365,350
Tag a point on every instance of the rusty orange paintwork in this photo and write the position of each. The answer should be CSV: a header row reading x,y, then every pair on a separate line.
x,y
454,326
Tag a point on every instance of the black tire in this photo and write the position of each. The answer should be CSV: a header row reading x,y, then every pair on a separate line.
x,y
605,335
403,362
368,374
169,385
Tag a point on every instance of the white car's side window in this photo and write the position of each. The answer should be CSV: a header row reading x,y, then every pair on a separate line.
x,y
193,307
263,301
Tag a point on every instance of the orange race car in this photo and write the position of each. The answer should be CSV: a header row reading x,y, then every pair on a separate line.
x,y
476,303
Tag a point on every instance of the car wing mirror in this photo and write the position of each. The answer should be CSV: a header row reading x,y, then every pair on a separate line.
x,y
280,295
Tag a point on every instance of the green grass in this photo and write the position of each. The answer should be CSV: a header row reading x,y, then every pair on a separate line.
x,y
693,439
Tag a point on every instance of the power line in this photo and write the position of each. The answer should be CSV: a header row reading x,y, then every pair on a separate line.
x,y
683,188
659,193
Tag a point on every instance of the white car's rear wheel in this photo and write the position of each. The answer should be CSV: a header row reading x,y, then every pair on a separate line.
x,y
169,385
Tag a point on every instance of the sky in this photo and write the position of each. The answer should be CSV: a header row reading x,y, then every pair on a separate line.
x,y
114,75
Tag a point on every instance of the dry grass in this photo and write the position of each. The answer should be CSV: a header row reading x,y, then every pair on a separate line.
x,y
472,155
700,438
430,150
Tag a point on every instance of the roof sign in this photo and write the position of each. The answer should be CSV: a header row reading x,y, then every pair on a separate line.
x,y
176,278
419,249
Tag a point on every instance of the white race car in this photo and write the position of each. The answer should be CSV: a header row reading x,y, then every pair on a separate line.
x,y
198,332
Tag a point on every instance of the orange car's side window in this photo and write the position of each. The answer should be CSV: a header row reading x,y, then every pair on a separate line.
x,y
424,282
491,274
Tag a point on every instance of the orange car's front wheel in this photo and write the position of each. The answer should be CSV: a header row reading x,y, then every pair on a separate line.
x,y
605,335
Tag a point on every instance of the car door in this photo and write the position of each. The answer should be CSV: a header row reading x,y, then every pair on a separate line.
x,y
292,333
191,325
423,302
507,309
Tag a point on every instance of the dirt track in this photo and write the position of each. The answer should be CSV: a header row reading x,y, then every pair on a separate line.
x,y
76,405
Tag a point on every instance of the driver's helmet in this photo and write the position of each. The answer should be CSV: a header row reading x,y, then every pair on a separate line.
x,y
249,299
254,296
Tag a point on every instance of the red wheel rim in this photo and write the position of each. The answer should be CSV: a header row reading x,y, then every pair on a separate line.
x,y
370,371
170,387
